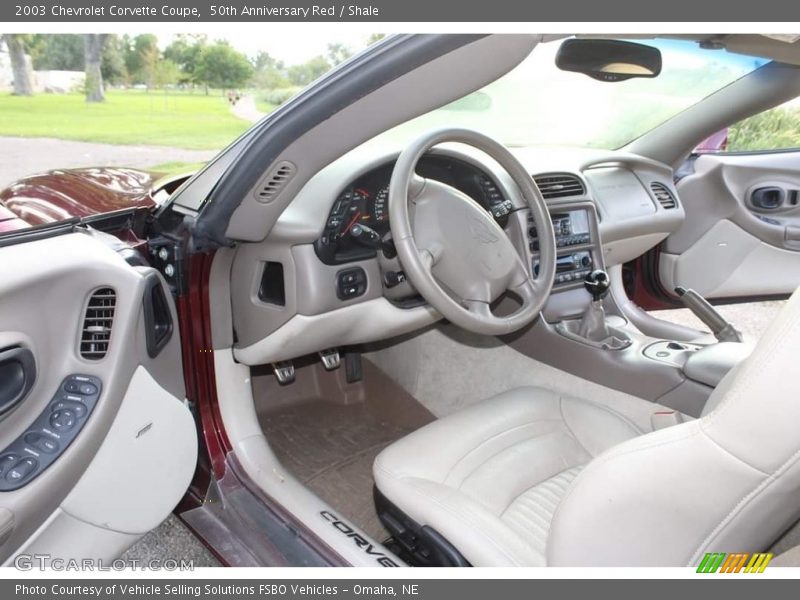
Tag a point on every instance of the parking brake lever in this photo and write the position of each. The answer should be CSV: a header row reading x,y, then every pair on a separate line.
x,y
722,329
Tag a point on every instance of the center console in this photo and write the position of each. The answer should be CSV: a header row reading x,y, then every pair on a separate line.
x,y
583,330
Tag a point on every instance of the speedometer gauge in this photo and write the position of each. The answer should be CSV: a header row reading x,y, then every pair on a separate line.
x,y
380,207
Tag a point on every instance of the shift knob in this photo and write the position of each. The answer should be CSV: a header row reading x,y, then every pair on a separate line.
x,y
597,284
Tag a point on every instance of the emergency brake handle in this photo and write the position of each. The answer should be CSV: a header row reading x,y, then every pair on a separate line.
x,y
722,329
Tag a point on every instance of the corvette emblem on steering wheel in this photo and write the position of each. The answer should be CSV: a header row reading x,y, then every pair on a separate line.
x,y
481,230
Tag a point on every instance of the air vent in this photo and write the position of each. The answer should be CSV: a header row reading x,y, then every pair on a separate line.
x,y
663,195
96,332
275,181
558,185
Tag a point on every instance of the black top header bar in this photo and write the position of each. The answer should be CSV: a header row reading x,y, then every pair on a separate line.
x,y
439,11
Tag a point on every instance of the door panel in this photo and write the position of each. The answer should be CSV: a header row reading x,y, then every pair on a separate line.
x,y
741,236
104,424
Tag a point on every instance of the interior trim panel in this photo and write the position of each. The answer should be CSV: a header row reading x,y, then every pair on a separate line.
x,y
754,250
89,399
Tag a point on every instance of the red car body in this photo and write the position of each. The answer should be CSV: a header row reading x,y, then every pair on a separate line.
x,y
10,221
63,194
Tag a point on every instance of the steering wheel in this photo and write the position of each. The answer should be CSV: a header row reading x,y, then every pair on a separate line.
x,y
452,250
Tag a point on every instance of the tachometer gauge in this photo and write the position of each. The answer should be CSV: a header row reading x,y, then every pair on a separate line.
x,y
380,207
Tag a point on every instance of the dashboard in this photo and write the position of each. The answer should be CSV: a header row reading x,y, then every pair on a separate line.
x,y
330,288
361,210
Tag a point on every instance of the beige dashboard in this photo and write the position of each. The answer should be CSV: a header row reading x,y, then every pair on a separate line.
x,y
634,199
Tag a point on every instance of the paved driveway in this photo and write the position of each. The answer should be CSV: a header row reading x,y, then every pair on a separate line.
x,y
172,540
20,157
246,109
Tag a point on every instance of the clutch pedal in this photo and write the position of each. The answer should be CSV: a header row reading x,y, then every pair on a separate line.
x,y
284,371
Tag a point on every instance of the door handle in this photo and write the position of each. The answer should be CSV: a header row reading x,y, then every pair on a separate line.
x,y
768,198
17,376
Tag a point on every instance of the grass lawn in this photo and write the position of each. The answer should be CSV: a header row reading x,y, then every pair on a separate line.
x,y
182,120
264,106
176,167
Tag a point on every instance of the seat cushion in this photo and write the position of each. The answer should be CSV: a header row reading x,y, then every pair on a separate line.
x,y
490,477
533,510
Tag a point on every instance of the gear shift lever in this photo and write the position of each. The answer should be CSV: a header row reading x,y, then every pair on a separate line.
x,y
597,284
592,328
593,324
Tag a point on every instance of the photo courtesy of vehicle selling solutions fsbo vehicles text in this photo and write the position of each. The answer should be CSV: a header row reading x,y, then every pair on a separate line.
x,y
472,287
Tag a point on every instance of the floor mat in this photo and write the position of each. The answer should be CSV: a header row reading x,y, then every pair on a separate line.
x,y
330,446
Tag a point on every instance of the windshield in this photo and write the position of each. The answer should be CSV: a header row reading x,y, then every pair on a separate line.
x,y
538,104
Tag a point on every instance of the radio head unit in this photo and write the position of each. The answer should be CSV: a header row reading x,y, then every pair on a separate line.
x,y
576,244
571,267
571,228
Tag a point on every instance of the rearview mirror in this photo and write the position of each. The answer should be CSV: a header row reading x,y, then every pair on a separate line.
x,y
609,60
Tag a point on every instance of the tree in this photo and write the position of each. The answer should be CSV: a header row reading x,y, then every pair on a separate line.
x,y
93,51
57,52
220,66
113,66
338,53
264,60
269,72
140,55
185,52
20,64
375,37
148,72
308,71
166,73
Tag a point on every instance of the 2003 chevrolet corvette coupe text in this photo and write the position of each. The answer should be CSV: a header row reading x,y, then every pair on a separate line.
x,y
403,319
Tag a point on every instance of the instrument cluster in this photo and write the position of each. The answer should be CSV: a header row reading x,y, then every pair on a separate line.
x,y
359,218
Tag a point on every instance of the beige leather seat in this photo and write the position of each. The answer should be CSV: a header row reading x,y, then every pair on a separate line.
x,y
531,478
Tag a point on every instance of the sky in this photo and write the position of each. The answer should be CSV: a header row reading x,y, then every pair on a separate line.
x,y
290,46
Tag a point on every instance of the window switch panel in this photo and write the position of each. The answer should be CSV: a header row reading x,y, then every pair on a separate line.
x,y
51,433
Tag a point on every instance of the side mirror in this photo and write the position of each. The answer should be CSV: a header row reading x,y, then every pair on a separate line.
x,y
609,60
716,142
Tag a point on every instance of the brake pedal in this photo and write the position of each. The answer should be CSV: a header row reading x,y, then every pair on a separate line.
x,y
330,359
284,371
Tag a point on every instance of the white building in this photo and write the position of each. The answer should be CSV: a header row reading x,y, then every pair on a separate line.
x,y
58,82
54,82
